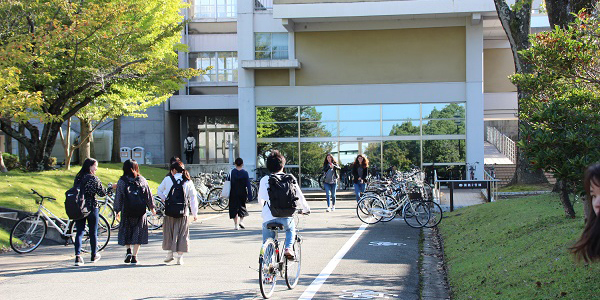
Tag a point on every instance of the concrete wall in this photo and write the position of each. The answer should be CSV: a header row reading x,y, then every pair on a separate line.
x,y
381,56
146,132
212,27
498,64
272,77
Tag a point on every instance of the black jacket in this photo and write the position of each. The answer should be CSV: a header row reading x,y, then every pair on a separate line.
x,y
336,170
355,173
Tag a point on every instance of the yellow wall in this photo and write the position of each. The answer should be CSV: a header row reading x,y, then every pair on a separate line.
x,y
498,64
278,77
381,56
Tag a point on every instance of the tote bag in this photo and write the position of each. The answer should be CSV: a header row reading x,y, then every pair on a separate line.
x,y
226,187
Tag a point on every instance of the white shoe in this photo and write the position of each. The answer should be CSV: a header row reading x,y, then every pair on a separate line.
x,y
169,257
333,208
328,209
180,260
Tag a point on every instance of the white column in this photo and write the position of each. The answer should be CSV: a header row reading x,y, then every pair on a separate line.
x,y
246,102
474,92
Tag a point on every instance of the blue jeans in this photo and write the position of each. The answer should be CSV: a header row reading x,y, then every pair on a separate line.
x,y
288,225
330,188
92,220
358,189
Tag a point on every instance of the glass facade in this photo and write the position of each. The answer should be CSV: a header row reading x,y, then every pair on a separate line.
x,y
390,135
271,46
214,9
224,66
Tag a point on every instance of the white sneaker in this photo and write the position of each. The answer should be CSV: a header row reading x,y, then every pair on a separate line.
x,y
180,260
333,208
169,257
328,209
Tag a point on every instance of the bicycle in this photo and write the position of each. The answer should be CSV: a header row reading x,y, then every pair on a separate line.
x,y
30,231
273,263
107,210
156,221
209,195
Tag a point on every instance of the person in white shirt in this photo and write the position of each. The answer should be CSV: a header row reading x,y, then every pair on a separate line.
x,y
189,144
176,231
275,164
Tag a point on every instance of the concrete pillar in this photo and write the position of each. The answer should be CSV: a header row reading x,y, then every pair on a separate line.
x,y
246,101
474,93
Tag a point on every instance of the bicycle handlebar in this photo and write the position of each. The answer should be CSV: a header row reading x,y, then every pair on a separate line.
x,y
43,197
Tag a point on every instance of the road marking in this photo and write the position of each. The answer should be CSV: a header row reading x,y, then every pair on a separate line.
x,y
314,287
206,219
386,244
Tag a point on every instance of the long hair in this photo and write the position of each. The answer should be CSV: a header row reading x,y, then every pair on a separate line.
x,y
180,168
325,162
365,162
131,168
85,167
588,245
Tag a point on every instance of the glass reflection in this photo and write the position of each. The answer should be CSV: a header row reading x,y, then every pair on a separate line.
x,y
443,151
288,150
437,127
360,129
401,155
318,129
276,130
276,113
318,113
396,128
400,111
443,110
313,155
360,112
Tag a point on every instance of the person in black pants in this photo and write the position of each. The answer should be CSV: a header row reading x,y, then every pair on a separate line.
x,y
241,191
189,144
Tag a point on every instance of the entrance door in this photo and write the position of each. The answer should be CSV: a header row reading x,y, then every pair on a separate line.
x,y
218,143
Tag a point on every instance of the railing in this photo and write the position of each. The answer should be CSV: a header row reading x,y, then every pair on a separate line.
x,y
493,185
263,4
436,188
504,144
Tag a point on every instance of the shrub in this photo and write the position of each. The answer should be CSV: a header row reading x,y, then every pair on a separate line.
x,y
53,161
11,161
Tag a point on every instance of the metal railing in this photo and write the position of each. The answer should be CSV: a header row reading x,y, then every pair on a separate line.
x,y
493,185
503,143
263,4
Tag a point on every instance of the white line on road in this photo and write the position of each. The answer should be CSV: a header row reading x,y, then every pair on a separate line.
x,y
314,287
206,219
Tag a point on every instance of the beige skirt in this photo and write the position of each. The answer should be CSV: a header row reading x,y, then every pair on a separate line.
x,y
176,234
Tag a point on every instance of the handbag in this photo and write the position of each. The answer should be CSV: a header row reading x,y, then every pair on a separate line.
x,y
226,187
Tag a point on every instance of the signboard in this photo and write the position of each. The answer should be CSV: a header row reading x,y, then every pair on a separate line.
x,y
470,184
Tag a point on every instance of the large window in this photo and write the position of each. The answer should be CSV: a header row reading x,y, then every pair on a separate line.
x,y
271,46
224,66
214,9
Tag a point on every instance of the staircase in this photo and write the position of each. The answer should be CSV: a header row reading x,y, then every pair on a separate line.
x,y
319,195
505,173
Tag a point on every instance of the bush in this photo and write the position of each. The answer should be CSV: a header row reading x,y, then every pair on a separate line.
x,y
53,161
11,161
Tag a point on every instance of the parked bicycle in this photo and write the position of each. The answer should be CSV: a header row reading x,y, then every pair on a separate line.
x,y
272,263
209,194
31,230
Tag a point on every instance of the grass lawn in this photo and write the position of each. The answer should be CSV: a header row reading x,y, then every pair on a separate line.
x,y
4,236
516,249
526,188
15,186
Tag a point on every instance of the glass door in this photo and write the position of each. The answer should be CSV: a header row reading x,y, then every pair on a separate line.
x,y
218,143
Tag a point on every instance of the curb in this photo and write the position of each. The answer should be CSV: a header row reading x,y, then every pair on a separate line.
x,y
433,269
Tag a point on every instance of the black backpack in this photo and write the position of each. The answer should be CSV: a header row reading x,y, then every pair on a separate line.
x,y
282,195
135,200
75,202
176,204
189,145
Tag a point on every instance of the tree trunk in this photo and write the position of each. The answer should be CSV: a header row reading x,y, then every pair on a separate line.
x,y
564,199
84,141
21,147
587,209
68,148
2,166
559,11
116,146
8,144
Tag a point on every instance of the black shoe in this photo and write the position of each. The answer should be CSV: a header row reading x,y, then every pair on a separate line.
x,y
242,226
128,258
78,261
133,260
96,257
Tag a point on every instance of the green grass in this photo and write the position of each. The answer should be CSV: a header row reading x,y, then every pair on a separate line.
x,y
4,236
516,249
15,186
526,188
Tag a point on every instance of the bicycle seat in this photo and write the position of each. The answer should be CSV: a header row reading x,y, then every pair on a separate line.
x,y
274,226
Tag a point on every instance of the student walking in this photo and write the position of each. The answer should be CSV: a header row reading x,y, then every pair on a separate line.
x,y
331,172
179,194
241,191
90,186
132,197
189,144
271,204
588,245
360,170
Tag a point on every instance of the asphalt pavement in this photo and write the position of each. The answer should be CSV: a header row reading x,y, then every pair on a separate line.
x,y
342,258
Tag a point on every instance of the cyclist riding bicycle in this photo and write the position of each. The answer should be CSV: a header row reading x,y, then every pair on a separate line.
x,y
268,188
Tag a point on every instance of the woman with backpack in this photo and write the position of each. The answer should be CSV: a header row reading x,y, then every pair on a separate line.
x,y
90,186
180,196
241,189
132,197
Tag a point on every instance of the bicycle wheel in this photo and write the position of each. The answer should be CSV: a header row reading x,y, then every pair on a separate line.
x,y
321,180
156,221
28,234
215,201
102,238
254,193
435,214
267,268
369,210
107,211
415,214
391,205
292,267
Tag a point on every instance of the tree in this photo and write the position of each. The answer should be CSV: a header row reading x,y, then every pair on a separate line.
x,y
117,55
2,166
561,110
116,147
561,13
516,22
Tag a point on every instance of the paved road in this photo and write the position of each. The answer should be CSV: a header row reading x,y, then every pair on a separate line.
x,y
344,256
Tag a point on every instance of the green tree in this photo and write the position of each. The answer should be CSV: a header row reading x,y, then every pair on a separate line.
x,y
562,131
117,56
